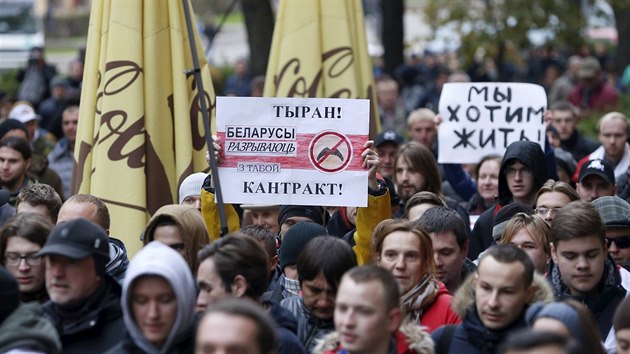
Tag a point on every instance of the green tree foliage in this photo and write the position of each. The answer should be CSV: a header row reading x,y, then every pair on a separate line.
x,y
498,25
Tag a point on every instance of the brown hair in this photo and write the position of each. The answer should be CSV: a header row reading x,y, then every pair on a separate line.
x,y
30,226
560,187
423,197
491,157
41,194
576,220
421,160
238,254
389,226
535,226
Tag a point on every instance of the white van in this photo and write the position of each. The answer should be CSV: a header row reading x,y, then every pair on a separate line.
x,y
20,30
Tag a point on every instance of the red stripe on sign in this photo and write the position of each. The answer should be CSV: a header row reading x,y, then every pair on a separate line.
x,y
301,159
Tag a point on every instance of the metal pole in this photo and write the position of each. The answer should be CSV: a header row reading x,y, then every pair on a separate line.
x,y
206,120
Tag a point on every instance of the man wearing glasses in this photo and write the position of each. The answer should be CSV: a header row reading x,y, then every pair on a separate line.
x,y
615,212
523,172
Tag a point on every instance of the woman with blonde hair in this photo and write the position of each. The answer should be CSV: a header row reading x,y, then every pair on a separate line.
x,y
531,234
407,251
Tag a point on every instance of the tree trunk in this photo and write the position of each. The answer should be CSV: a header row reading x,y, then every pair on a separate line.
x,y
622,20
392,35
259,22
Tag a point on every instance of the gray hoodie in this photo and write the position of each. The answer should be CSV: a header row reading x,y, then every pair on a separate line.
x,y
158,259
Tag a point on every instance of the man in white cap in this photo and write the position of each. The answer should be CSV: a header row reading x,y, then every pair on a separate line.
x,y
39,138
190,190
42,143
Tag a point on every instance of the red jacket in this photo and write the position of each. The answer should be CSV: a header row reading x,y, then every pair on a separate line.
x,y
440,312
602,98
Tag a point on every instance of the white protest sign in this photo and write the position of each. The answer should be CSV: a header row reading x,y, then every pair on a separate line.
x,y
293,151
483,118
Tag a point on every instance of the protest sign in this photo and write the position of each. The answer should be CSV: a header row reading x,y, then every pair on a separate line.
x,y
294,151
483,118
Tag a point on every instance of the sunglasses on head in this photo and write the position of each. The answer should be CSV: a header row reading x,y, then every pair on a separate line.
x,y
620,242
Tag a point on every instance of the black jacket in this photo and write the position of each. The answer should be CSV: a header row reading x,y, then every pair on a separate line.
x,y
94,327
529,154
471,336
288,342
579,146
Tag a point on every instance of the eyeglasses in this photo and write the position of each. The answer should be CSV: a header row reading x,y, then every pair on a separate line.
x,y
621,241
14,259
511,171
542,211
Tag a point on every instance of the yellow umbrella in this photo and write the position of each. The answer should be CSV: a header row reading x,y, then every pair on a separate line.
x,y
319,49
140,128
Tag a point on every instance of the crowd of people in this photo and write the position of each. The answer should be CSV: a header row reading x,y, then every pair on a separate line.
x,y
525,252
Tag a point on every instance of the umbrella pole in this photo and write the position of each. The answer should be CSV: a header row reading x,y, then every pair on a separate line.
x,y
206,120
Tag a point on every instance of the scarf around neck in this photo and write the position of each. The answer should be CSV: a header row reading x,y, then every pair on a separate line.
x,y
420,297
608,286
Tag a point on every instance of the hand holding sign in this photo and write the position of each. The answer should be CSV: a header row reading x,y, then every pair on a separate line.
x,y
483,118
371,162
218,151
295,150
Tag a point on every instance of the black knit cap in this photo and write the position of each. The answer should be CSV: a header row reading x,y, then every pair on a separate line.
x,y
295,239
505,215
9,294
315,213
11,124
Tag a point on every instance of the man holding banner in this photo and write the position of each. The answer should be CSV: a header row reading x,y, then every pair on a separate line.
x,y
290,151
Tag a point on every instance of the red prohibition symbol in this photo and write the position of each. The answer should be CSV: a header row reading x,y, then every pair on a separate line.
x,y
330,151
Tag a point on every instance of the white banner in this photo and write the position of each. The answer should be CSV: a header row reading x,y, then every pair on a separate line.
x,y
293,151
483,118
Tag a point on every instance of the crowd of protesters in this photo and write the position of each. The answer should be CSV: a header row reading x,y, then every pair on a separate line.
x,y
527,252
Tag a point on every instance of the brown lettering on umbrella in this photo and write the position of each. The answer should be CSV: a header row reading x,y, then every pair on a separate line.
x,y
338,60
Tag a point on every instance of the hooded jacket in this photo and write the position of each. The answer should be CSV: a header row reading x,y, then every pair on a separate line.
x,y
529,154
471,336
190,222
408,339
27,329
157,259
